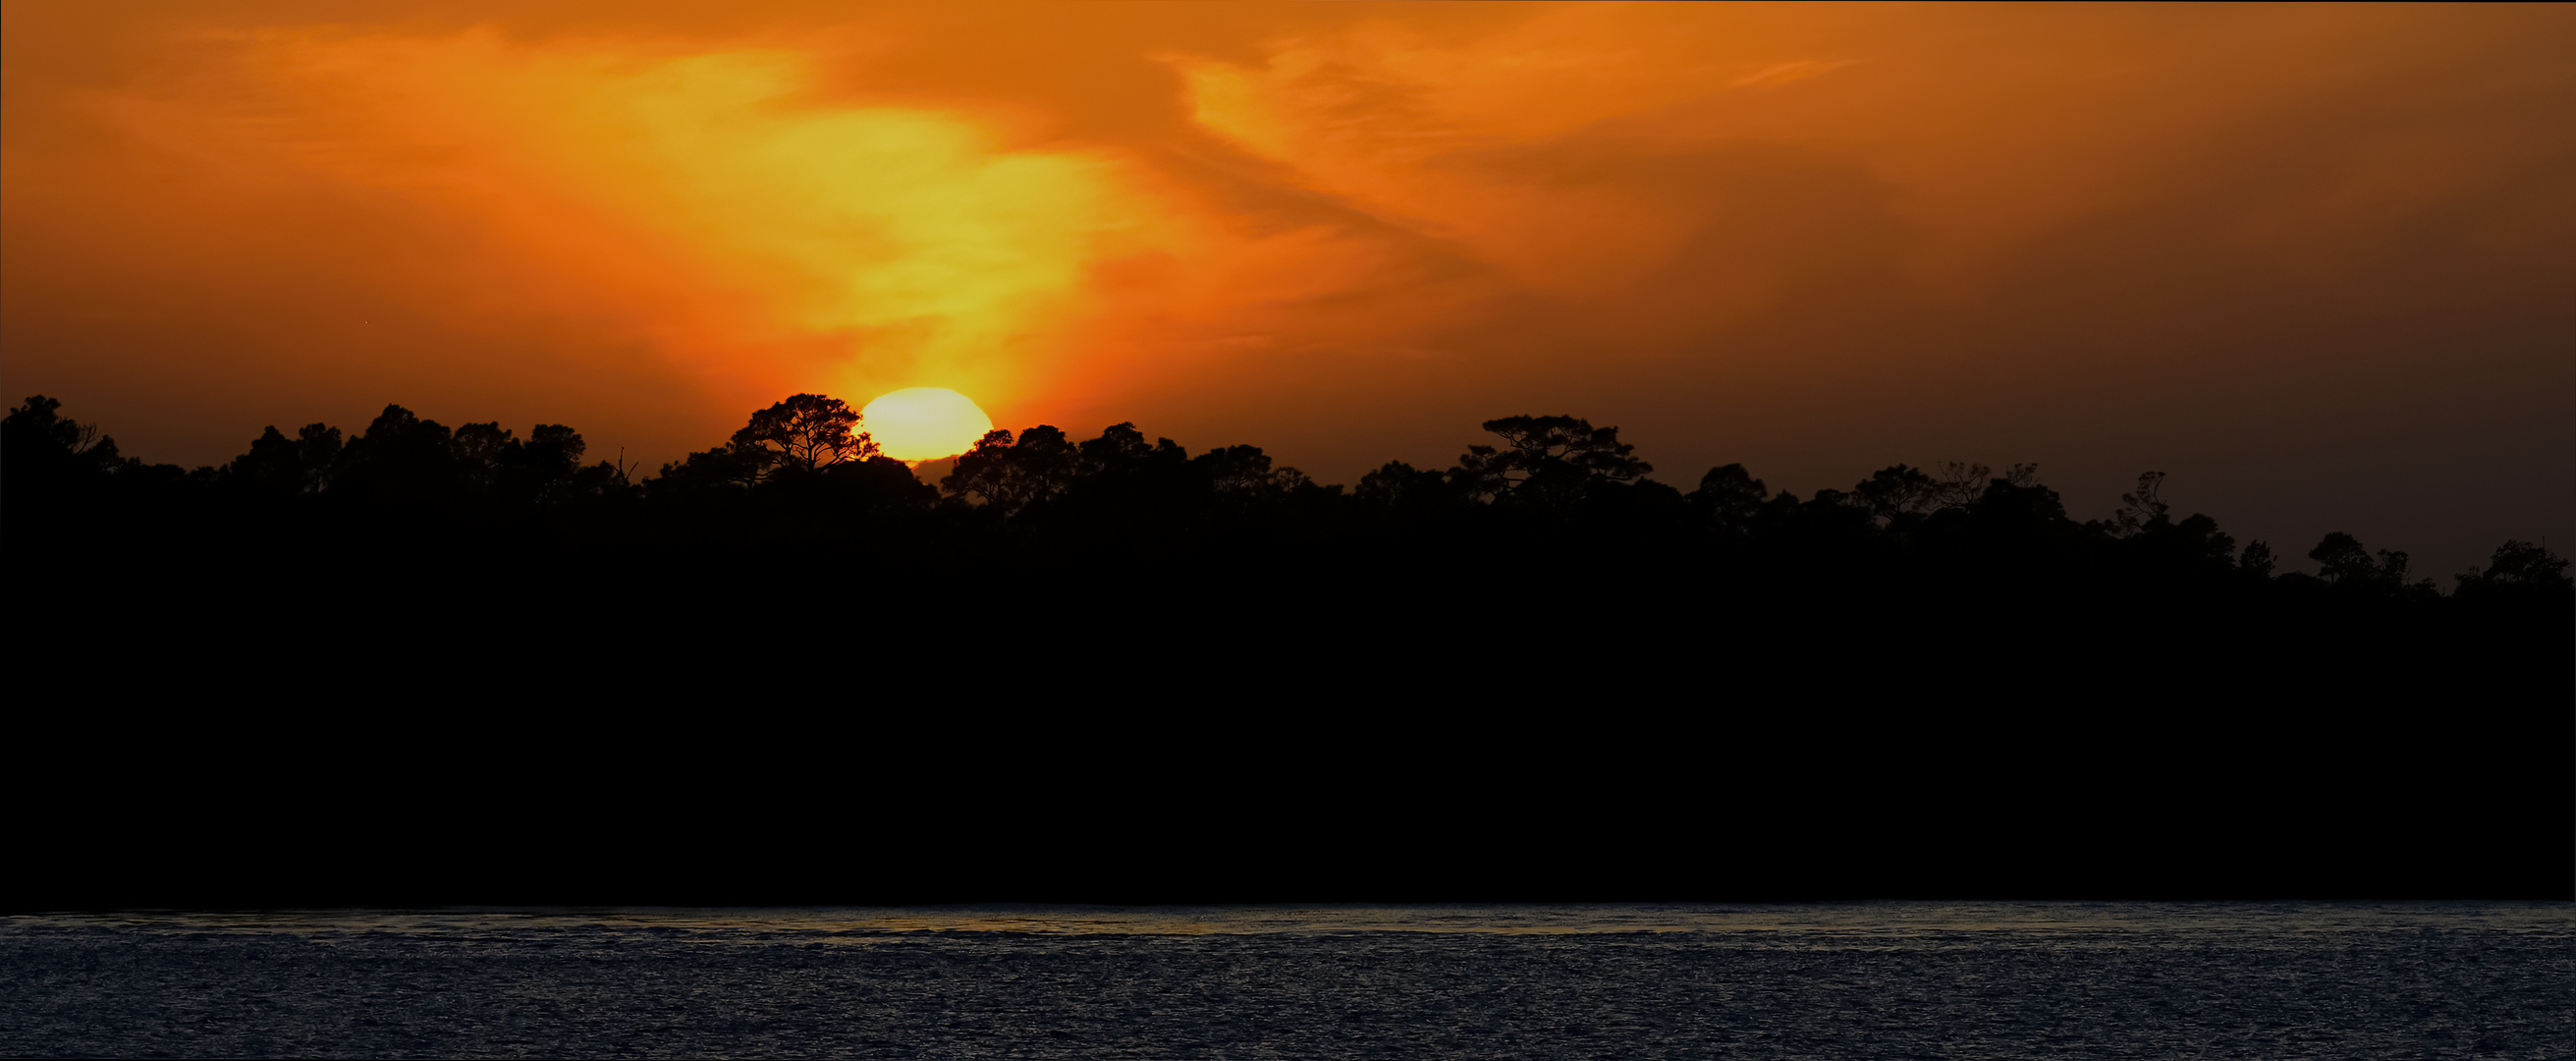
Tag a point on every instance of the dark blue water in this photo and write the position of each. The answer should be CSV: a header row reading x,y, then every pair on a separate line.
x,y
1994,980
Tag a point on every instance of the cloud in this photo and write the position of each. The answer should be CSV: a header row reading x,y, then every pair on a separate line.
x,y
1819,241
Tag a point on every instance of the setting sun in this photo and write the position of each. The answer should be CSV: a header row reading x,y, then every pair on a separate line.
x,y
925,423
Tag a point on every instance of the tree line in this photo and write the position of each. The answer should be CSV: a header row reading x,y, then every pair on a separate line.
x,y
433,664
808,460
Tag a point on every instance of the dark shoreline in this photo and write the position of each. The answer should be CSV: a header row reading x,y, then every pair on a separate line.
x,y
1170,679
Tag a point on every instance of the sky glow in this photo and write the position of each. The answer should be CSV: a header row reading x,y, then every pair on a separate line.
x,y
2314,262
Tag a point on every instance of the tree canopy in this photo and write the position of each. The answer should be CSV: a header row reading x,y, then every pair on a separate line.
x,y
1899,624
1550,455
800,434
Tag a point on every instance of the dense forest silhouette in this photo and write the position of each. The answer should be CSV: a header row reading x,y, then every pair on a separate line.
x,y
424,664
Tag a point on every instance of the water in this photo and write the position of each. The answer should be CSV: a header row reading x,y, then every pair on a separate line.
x,y
1984,980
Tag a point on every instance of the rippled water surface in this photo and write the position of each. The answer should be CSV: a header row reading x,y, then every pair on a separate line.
x,y
1995,980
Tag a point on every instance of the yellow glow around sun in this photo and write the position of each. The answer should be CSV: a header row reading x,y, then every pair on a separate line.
x,y
924,423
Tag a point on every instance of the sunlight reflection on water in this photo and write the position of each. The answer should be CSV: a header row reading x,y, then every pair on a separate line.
x,y
1984,980
1821,921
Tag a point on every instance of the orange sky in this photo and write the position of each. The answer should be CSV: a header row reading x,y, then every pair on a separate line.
x,y
2318,264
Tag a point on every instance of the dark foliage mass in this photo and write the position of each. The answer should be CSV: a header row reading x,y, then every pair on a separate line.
x,y
424,664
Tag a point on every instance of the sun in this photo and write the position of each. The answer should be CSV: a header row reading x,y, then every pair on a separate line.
x,y
919,424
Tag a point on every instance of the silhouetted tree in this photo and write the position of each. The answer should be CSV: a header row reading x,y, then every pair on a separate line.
x,y
2139,507
544,467
1961,484
273,465
1121,482
1560,453
723,467
2342,561
1730,496
1397,483
401,459
555,449
2519,568
599,479
2340,557
1008,475
2028,519
2194,544
2257,559
800,434
318,448
1121,447
817,507
1897,491
37,441
481,451
1244,473
276,464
